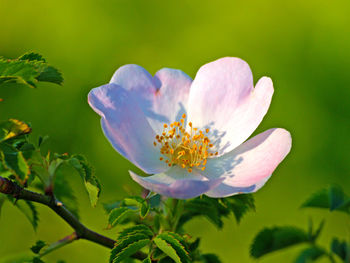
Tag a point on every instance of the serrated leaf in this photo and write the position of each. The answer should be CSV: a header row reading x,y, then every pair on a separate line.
x,y
27,70
65,194
50,74
118,215
167,249
210,258
138,229
14,161
171,239
341,249
31,56
28,209
144,209
240,205
86,171
13,128
202,207
333,199
310,254
272,239
128,246
38,246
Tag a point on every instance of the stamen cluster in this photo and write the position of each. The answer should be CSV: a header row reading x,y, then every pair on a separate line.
x,y
187,149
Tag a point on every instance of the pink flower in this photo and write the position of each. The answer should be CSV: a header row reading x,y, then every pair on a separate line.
x,y
192,134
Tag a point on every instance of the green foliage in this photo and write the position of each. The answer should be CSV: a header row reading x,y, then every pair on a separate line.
x,y
129,242
310,254
332,198
38,246
28,209
87,173
272,239
13,128
341,249
119,215
171,245
28,70
210,258
217,209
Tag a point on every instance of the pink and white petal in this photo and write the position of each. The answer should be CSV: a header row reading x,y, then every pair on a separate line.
x,y
163,98
225,189
251,164
126,127
223,99
177,183
171,99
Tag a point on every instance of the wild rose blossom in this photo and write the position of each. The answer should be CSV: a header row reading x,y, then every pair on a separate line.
x,y
192,134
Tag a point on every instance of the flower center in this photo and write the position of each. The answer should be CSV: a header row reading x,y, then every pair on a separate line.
x,y
186,149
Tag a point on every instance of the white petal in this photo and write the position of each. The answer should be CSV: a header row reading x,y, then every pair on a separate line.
x,y
126,127
177,183
223,99
250,165
163,98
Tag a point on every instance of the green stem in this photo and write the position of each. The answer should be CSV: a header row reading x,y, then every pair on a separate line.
x,y
82,232
61,243
178,209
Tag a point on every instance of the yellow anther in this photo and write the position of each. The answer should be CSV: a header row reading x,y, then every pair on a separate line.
x,y
187,149
189,170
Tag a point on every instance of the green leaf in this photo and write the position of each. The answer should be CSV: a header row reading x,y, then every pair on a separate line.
x,y
27,70
240,205
202,207
138,229
144,209
13,128
14,161
65,194
28,209
38,246
86,171
272,239
333,199
167,249
173,243
341,249
310,254
147,260
210,258
128,246
313,235
118,215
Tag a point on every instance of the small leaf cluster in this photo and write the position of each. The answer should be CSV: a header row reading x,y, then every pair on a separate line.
x,y
158,226
281,237
27,70
25,162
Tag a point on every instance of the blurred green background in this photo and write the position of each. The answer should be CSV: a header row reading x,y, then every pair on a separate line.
x,y
304,46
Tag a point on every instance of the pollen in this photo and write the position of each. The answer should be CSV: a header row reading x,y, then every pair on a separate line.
x,y
187,148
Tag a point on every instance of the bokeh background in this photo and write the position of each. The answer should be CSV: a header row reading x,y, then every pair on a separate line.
x,y
304,46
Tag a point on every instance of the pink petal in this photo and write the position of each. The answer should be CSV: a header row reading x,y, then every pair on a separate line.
x,y
223,99
126,127
250,165
177,183
163,98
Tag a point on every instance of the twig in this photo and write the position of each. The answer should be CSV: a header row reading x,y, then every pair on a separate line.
x,y
82,232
